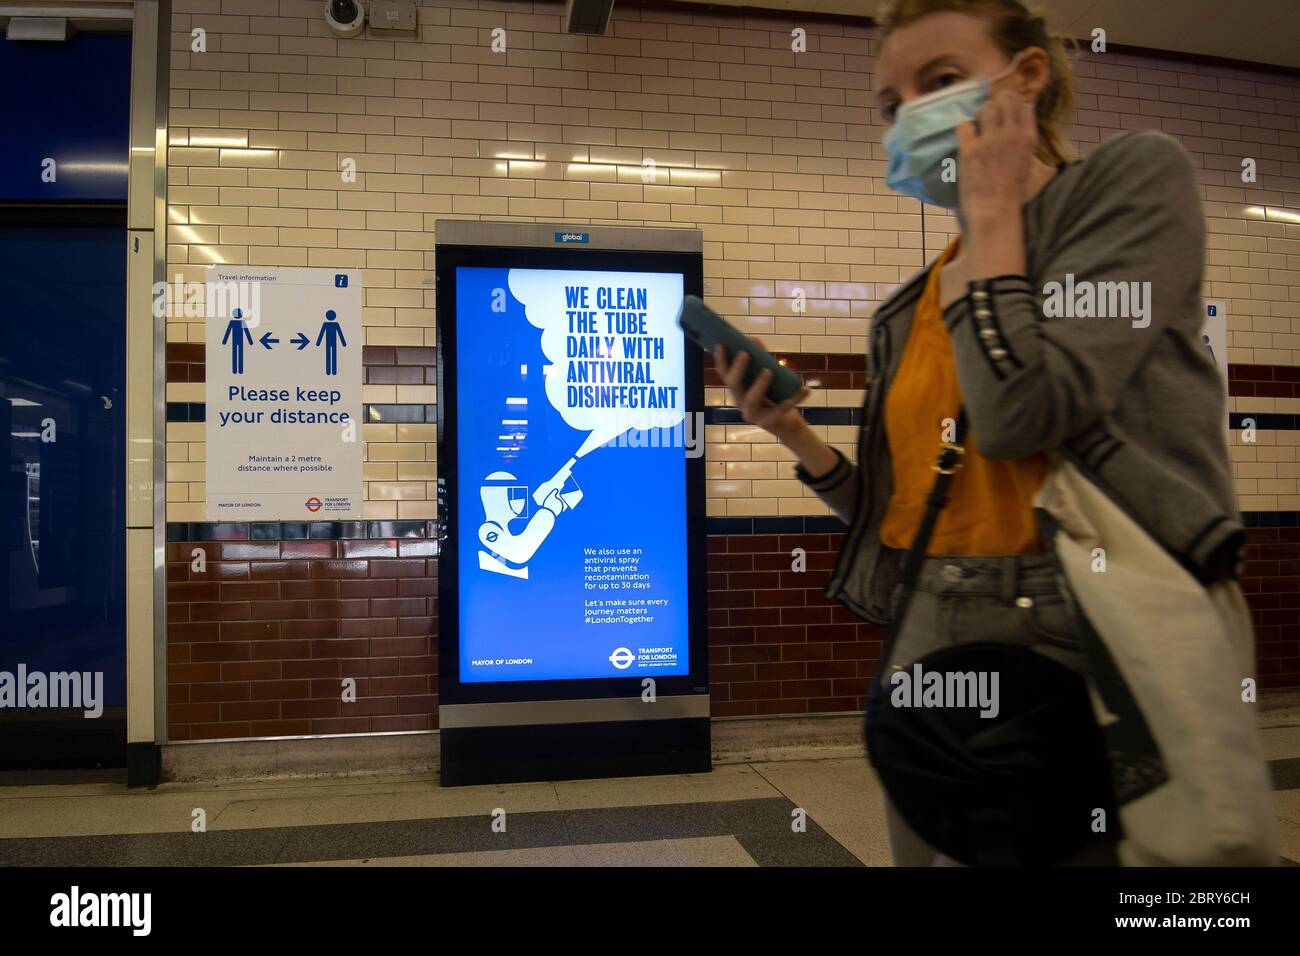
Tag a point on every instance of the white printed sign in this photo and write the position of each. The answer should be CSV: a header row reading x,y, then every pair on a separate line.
x,y
283,420
1214,335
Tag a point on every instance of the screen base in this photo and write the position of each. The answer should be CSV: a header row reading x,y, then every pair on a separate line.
x,y
625,748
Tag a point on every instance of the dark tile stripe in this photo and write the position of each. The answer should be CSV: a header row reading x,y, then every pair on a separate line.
x,y
428,414
401,414
186,411
713,415
371,414
798,524
1286,773
762,827
1264,421
1239,376
816,415
336,530
1271,519
193,353
298,530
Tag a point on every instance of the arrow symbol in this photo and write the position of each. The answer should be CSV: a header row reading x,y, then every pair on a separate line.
x,y
301,341
267,341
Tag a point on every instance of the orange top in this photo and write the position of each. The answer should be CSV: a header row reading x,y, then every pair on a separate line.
x,y
990,506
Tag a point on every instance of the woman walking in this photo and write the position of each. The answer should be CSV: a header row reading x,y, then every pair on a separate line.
x,y
994,353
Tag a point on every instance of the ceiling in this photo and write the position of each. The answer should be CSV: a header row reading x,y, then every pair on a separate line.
x,y
1261,31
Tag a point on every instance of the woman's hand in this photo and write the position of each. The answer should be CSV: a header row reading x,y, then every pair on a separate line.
x,y
996,163
783,420
995,157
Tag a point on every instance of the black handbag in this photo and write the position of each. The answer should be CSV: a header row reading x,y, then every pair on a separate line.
x,y
1023,787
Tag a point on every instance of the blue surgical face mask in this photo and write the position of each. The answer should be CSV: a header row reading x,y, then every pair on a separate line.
x,y
924,135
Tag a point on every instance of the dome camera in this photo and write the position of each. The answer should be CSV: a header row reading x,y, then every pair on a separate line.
x,y
345,18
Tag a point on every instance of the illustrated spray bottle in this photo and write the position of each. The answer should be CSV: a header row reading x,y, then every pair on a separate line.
x,y
557,481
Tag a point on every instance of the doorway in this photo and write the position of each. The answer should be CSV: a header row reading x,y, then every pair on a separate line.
x,y
63,255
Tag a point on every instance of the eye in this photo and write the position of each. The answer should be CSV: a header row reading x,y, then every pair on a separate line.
x,y
888,112
946,78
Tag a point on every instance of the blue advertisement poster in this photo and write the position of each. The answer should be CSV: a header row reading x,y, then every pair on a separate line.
x,y
571,466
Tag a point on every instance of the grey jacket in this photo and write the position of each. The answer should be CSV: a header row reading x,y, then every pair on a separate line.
x,y
1138,407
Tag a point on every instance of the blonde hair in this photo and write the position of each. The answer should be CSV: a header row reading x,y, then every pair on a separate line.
x,y
1014,28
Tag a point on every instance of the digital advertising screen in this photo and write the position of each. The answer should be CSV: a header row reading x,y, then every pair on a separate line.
x,y
571,447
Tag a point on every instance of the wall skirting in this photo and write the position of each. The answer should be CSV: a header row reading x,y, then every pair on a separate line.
x,y
735,740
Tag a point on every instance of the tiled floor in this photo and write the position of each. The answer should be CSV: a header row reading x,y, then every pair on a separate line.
x,y
738,815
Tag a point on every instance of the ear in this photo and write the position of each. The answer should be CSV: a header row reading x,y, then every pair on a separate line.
x,y
1033,72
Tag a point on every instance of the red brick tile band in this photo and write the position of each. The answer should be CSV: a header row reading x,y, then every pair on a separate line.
x,y
259,643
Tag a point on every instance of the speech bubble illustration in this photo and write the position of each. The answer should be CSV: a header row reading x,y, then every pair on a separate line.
x,y
616,354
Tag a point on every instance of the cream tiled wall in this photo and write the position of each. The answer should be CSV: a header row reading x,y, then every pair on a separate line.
x,y
773,154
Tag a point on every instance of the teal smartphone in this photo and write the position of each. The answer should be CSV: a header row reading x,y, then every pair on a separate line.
x,y
707,329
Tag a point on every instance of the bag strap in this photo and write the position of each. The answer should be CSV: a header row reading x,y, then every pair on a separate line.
x,y
946,465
